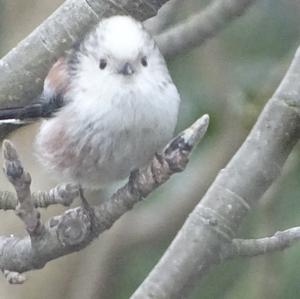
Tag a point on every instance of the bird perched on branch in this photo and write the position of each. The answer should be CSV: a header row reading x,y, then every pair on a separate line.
x,y
109,105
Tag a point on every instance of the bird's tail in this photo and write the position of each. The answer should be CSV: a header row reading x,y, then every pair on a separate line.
x,y
21,115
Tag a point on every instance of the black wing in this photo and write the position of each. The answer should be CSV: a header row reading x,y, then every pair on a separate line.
x,y
51,100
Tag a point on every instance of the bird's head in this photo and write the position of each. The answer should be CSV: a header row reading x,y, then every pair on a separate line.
x,y
118,48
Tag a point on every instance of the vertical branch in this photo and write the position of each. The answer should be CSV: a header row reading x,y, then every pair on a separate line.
x,y
21,180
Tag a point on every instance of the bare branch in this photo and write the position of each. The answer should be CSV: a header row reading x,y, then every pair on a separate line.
x,y
61,194
216,219
77,227
21,181
198,28
159,22
253,247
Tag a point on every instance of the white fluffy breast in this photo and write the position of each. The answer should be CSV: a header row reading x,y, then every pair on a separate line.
x,y
102,141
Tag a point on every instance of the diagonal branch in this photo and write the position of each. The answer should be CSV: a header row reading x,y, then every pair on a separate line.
x,y
202,26
216,219
77,227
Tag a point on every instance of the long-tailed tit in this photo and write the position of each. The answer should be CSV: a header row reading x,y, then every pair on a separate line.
x,y
109,105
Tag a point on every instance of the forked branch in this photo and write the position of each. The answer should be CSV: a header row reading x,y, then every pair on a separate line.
x,y
77,227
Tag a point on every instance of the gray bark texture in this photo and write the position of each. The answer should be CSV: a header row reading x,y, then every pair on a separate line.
x,y
62,194
202,26
216,219
254,247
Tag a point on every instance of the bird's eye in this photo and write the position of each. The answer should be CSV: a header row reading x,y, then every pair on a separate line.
x,y
102,64
144,61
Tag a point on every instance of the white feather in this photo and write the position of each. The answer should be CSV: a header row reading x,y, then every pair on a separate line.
x,y
112,123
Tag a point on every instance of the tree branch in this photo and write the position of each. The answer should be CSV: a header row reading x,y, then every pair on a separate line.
x,y
216,219
77,227
253,247
21,180
163,18
61,194
200,27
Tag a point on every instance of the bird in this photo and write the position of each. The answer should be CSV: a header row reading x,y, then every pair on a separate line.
x,y
108,105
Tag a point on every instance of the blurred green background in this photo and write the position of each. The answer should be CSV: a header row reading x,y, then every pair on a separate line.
x,y
230,77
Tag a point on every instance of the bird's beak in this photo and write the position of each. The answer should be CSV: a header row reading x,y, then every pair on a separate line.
x,y
127,69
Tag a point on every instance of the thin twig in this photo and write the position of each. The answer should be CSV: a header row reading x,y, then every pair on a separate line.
x,y
62,194
253,247
21,181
